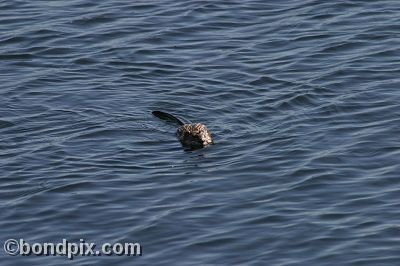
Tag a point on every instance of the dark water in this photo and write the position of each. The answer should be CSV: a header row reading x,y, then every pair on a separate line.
x,y
302,97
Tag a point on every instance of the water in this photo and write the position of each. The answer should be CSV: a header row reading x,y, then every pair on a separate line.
x,y
301,96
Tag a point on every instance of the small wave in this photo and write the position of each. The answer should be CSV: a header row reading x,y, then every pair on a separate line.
x,y
5,124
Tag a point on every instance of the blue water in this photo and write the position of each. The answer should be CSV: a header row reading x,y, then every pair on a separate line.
x,y
302,98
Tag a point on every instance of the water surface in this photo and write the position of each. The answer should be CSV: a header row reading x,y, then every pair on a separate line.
x,y
301,96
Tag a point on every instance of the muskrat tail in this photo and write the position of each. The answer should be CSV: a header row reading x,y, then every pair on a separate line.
x,y
167,117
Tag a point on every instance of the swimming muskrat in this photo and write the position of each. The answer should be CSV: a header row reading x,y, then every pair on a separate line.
x,y
192,136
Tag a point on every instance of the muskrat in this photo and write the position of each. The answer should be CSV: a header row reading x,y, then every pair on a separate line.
x,y
192,136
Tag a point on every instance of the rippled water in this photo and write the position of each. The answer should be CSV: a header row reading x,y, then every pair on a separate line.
x,y
301,96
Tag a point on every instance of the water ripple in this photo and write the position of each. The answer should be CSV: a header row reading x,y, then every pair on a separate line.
x,y
301,97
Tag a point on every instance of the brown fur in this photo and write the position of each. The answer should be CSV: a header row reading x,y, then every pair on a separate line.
x,y
194,136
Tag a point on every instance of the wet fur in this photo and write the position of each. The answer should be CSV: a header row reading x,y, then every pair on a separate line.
x,y
192,136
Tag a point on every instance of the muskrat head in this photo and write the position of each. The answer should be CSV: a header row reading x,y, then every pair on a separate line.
x,y
194,136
